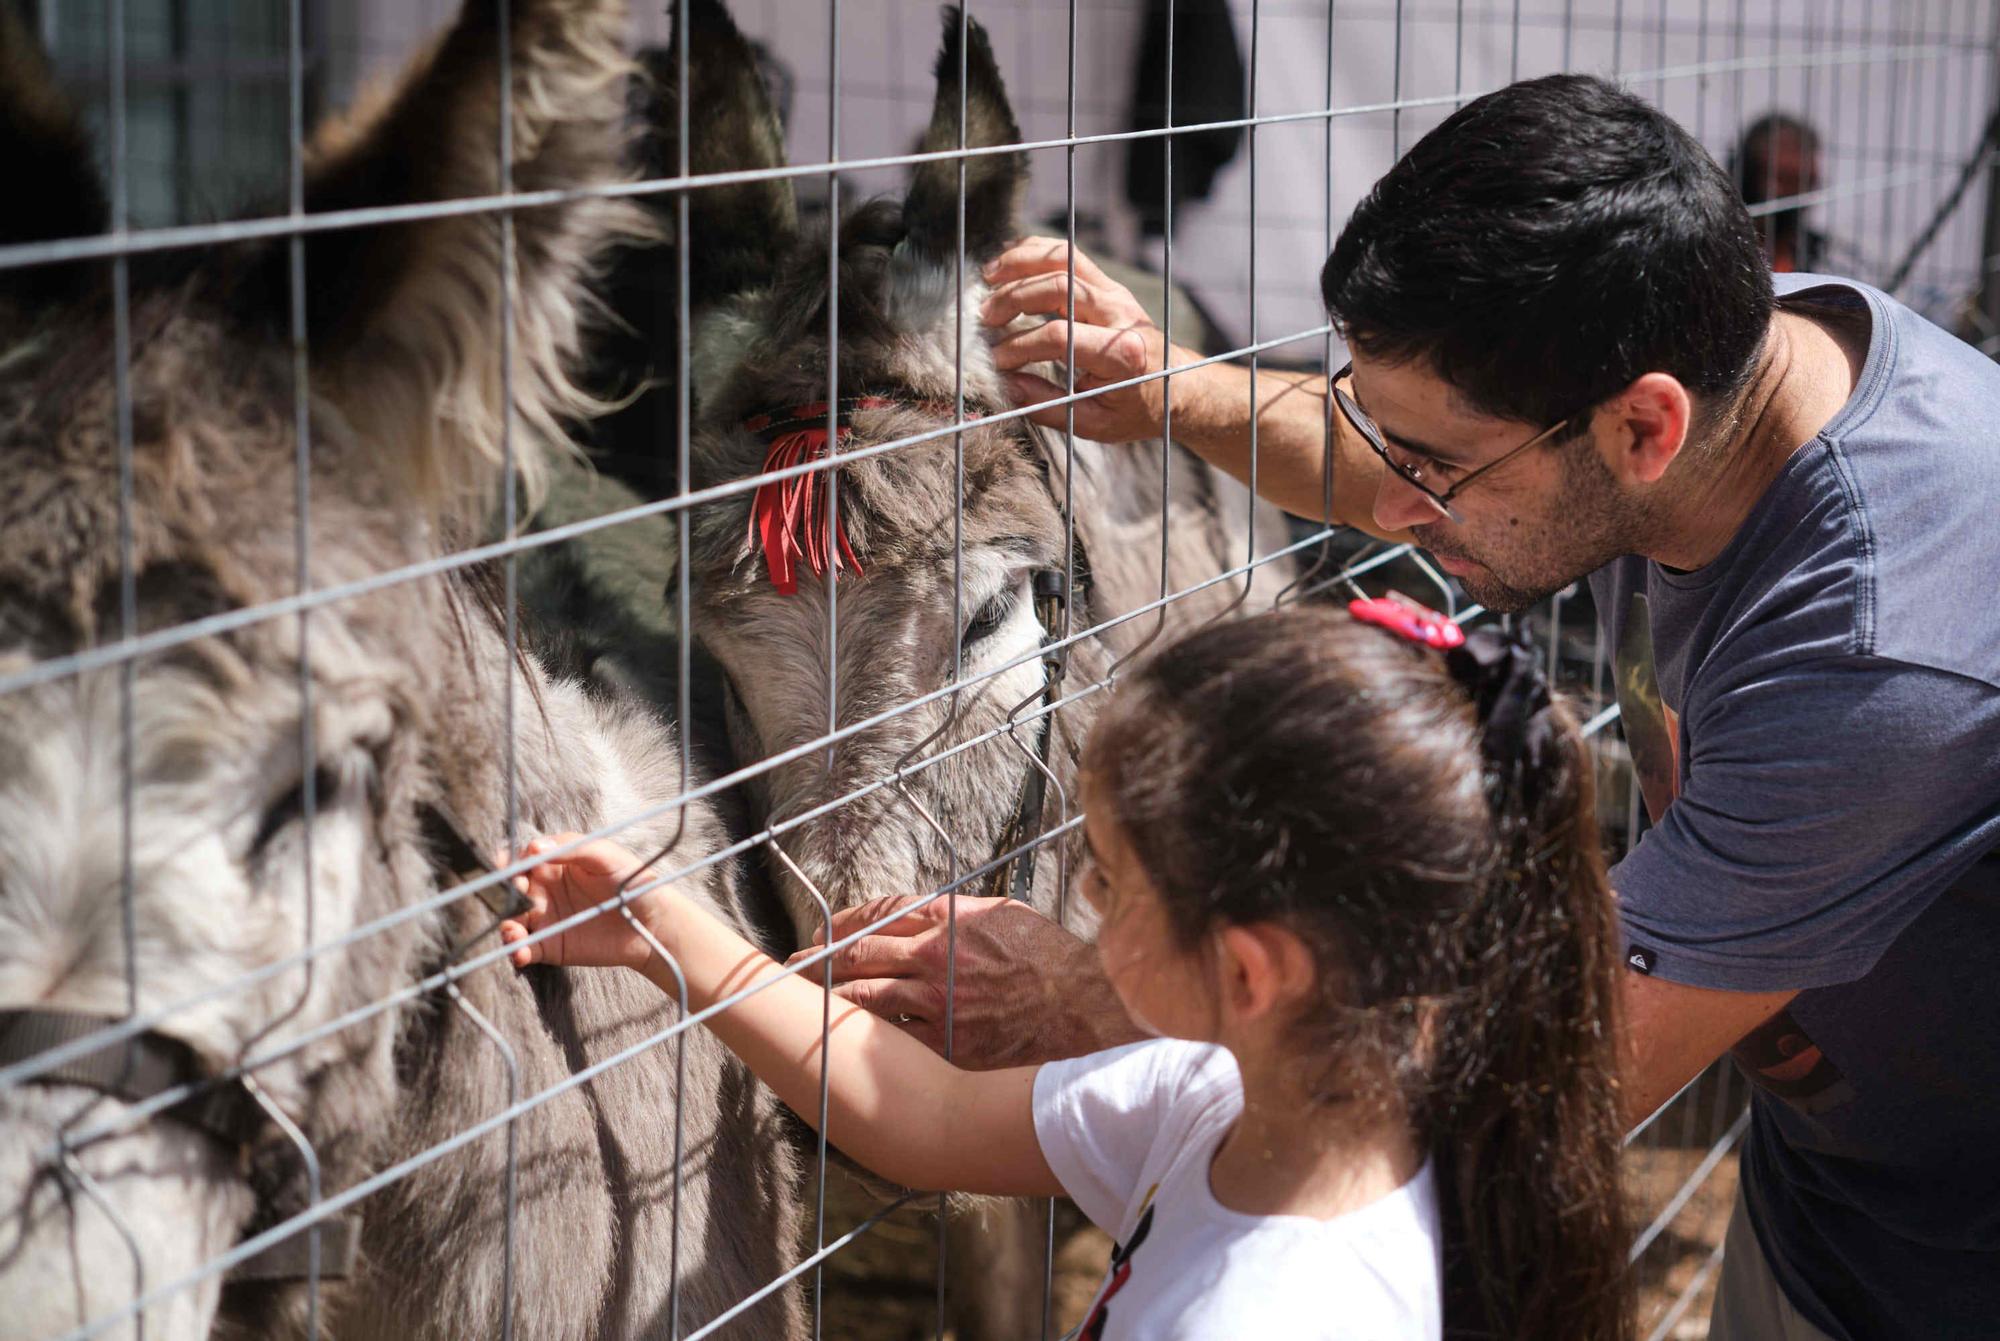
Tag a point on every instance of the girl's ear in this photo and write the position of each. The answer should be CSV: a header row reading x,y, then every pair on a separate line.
x,y
1266,969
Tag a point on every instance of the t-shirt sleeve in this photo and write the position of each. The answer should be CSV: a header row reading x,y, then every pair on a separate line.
x,y
1098,1117
1825,805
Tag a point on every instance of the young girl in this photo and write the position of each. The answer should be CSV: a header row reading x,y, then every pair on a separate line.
x,y
1347,871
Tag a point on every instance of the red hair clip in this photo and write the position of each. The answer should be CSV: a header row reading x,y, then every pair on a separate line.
x,y
1400,614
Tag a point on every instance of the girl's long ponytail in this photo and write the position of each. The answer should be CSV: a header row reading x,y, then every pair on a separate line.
x,y
1528,1134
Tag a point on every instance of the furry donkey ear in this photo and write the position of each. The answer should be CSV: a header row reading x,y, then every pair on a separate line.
x,y
46,154
739,231
994,183
406,317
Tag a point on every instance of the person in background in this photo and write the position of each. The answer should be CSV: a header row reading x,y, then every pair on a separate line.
x,y
1348,875
1778,158
1570,359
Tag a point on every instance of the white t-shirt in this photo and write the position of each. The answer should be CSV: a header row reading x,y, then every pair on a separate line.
x,y
1130,1133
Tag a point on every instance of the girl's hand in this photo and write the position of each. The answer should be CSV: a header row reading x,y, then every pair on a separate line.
x,y
887,1097
573,883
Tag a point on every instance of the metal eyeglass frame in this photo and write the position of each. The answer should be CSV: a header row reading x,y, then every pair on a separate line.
x,y
1413,474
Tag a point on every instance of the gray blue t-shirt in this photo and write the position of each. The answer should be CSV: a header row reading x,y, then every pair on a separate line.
x,y
1815,720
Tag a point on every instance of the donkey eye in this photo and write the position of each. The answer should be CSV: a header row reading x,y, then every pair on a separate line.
x,y
279,815
989,617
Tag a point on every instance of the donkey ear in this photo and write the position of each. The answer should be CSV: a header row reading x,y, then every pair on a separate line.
x,y
44,149
994,183
406,318
739,232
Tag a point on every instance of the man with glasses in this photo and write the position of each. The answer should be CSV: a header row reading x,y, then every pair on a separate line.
x,y
1569,352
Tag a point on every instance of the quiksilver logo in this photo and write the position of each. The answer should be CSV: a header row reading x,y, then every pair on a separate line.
x,y
1639,959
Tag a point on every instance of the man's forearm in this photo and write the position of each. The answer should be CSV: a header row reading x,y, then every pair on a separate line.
x,y
1114,1030
1670,1032
1211,416
1094,1018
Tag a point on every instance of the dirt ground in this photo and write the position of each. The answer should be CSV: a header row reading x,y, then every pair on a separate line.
x,y
1683,1251
883,1286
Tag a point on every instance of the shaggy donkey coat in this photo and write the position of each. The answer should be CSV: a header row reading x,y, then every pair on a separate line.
x,y
388,701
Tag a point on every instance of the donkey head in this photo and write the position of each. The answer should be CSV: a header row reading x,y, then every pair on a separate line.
x,y
173,823
937,545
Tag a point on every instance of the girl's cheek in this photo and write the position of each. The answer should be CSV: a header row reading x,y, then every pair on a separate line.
x,y
1155,994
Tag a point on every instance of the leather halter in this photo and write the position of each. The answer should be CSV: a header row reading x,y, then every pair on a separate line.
x,y
150,1064
1016,879
1056,593
147,1065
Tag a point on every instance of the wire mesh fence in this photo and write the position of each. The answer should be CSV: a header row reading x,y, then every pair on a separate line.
x,y
310,619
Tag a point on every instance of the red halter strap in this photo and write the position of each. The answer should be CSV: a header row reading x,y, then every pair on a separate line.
x,y
788,517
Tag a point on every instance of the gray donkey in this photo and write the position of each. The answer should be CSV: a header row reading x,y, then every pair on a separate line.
x,y
978,775
386,709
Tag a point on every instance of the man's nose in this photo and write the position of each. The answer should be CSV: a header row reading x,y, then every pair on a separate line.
x,y
1400,505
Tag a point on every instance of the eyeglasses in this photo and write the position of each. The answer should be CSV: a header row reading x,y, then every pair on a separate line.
x,y
1412,472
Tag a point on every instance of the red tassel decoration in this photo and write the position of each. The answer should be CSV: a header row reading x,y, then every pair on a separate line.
x,y
788,516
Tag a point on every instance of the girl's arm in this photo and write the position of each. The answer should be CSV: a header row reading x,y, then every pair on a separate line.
x,y
892,1104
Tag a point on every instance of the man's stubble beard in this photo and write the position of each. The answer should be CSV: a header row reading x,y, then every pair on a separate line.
x,y
1488,590
1597,524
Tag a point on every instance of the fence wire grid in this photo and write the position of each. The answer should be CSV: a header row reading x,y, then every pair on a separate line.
x,y
197,104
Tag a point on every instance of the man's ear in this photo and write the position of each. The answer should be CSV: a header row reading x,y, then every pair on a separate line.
x,y
1648,425
1266,969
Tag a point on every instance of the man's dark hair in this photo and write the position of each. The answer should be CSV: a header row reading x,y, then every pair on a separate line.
x,y
1548,243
